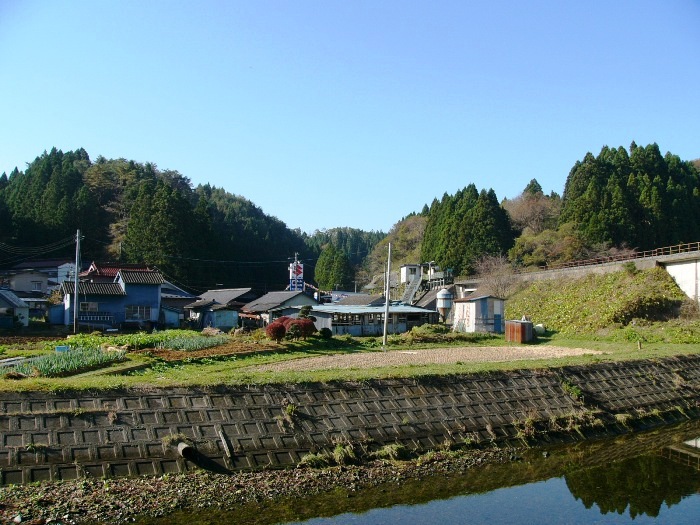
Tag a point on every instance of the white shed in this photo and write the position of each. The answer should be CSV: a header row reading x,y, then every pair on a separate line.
x,y
478,314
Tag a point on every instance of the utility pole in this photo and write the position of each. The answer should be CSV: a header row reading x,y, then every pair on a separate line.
x,y
75,282
387,299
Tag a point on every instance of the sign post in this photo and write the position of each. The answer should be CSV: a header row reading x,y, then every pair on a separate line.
x,y
296,276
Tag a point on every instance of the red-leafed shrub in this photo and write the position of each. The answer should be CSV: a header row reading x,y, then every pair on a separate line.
x,y
275,331
284,321
297,328
307,327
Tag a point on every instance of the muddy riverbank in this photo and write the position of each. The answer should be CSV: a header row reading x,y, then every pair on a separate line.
x,y
123,500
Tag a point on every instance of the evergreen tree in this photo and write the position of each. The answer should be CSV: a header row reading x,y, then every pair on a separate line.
x,y
642,199
333,270
533,188
464,227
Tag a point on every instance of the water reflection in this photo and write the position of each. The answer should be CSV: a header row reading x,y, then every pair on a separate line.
x,y
635,486
645,478
647,489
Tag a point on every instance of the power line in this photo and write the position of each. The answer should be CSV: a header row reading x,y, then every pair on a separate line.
x,y
21,254
32,250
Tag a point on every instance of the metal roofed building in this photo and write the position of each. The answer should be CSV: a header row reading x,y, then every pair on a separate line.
x,y
260,310
12,308
131,300
360,321
480,312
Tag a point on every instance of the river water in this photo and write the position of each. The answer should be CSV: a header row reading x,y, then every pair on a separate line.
x,y
601,495
649,477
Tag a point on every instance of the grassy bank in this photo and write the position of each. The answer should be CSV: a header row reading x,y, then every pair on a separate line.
x,y
241,365
624,315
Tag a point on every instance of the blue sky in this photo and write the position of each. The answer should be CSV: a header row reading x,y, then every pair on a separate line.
x,y
349,113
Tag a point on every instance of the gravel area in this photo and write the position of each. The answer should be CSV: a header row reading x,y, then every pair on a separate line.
x,y
453,355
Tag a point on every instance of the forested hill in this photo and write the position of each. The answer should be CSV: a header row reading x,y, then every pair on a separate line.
x,y
616,201
204,237
200,237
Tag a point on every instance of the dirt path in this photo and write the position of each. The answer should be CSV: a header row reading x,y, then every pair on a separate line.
x,y
422,357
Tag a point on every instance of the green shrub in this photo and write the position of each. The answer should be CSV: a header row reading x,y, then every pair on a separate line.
x,y
344,454
293,331
393,452
258,335
321,460
325,333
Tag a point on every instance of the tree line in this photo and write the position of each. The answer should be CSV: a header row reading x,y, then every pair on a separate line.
x,y
614,202
202,236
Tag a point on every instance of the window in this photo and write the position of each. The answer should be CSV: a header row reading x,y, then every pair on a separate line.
x,y
36,286
138,313
89,307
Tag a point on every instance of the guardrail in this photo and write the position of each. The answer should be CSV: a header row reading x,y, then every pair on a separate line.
x,y
658,252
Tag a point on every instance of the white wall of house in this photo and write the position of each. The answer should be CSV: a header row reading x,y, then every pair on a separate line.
x,y
409,272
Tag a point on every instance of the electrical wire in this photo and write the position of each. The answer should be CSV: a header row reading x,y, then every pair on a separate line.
x,y
21,254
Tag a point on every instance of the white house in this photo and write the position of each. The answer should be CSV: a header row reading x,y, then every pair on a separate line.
x,y
408,272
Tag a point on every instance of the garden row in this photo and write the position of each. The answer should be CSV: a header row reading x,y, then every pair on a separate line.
x,y
84,352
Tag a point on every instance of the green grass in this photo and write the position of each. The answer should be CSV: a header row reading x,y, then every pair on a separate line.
x,y
242,370
191,343
597,302
617,342
175,339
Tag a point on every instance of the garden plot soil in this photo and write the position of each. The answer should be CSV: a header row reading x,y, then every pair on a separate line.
x,y
470,354
229,349
24,340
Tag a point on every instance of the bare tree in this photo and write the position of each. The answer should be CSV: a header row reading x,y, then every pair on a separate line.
x,y
496,275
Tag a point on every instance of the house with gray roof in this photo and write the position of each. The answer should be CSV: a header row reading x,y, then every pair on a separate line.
x,y
219,308
12,309
235,298
258,311
131,301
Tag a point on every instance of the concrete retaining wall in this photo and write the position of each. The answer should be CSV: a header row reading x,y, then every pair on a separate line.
x,y
129,433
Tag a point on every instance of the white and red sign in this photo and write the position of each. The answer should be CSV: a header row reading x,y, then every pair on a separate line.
x,y
296,277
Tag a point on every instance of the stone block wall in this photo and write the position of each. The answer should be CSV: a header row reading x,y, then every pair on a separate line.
x,y
69,435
